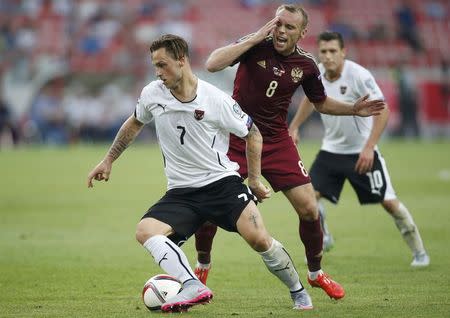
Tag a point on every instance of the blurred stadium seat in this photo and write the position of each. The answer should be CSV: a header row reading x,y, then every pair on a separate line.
x,y
109,39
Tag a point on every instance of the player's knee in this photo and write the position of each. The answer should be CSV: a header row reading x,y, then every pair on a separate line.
x,y
391,206
318,195
142,233
147,228
261,243
309,211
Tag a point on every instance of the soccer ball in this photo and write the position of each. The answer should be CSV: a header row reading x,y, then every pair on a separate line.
x,y
158,289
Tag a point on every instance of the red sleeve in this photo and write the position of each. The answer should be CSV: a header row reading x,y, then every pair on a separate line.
x,y
313,87
247,53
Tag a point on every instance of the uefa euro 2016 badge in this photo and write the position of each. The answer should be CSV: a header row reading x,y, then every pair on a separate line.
x,y
296,74
237,111
199,114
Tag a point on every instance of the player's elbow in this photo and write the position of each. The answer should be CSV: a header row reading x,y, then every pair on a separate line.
x,y
214,63
212,67
320,107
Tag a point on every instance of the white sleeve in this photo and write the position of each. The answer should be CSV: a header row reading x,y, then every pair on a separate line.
x,y
233,119
142,111
366,84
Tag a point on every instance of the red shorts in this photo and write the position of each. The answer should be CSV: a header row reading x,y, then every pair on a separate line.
x,y
281,165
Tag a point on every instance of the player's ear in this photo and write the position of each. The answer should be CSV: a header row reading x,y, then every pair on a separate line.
x,y
303,33
182,61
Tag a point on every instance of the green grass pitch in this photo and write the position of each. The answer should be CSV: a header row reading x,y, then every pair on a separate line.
x,y
69,251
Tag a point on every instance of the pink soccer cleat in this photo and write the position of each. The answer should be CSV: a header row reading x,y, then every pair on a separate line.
x,y
193,293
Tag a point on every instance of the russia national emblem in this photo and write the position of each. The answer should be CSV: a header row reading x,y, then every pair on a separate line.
x,y
296,74
199,114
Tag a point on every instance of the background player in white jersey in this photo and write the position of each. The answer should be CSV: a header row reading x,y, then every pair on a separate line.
x,y
349,148
193,122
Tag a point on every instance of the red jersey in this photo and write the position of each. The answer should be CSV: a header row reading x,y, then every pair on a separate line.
x,y
266,81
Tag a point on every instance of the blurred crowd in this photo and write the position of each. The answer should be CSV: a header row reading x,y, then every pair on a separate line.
x,y
71,70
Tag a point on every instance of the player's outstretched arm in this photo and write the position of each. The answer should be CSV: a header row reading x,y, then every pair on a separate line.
x,y
304,110
225,56
363,107
125,136
253,152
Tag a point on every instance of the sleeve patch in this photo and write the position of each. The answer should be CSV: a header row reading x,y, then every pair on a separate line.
x,y
249,122
369,84
237,111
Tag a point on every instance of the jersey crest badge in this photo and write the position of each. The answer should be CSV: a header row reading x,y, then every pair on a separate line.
x,y
199,114
262,63
343,89
277,71
296,74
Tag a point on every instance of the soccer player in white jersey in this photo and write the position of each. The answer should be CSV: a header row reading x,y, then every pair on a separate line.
x,y
349,147
193,122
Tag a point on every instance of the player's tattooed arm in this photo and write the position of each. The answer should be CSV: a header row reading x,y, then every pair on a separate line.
x,y
125,136
254,148
127,133
253,151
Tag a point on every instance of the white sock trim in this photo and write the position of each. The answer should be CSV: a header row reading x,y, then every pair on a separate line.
x,y
271,248
202,265
315,274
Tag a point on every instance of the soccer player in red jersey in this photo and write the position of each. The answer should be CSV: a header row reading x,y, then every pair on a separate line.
x,y
271,68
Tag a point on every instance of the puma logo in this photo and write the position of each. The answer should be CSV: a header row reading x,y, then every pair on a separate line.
x,y
162,259
282,269
162,106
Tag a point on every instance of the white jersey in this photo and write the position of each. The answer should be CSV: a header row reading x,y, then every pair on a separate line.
x,y
348,134
194,135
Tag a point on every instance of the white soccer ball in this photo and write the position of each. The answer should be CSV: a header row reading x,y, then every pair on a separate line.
x,y
158,289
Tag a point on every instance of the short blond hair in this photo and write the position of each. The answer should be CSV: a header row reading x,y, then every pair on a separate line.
x,y
293,8
175,45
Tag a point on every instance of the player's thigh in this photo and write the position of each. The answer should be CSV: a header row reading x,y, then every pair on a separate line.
x,y
375,185
250,226
328,174
282,166
178,213
223,201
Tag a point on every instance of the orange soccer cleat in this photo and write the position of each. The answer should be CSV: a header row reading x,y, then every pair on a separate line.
x,y
202,271
333,289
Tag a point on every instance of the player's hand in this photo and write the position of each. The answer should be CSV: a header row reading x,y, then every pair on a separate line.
x,y
364,107
259,190
99,173
294,135
267,29
365,161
